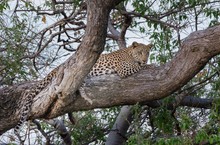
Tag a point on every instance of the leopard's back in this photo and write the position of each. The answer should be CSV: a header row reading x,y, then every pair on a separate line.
x,y
108,63
124,62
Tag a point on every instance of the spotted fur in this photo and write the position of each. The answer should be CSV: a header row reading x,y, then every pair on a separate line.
x,y
29,95
124,62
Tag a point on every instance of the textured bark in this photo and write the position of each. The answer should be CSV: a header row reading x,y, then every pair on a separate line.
x,y
109,90
154,82
62,91
117,134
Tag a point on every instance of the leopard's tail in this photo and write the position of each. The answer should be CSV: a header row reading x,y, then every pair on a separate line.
x,y
29,96
26,108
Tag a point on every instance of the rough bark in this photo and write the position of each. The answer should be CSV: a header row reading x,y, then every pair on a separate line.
x,y
154,82
109,90
118,131
62,91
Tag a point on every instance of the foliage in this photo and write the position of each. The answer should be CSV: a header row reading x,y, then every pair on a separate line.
x,y
38,36
96,122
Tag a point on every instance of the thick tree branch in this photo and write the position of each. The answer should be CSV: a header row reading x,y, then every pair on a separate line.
x,y
118,132
105,91
155,82
189,101
70,75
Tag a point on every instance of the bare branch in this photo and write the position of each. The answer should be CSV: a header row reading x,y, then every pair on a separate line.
x,y
152,83
153,19
61,129
120,36
42,131
173,11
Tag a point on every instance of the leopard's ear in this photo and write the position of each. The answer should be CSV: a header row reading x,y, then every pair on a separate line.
x,y
134,44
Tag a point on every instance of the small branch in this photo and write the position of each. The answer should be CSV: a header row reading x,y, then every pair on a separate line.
x,y
153,19
126,24
61,129
113,31
116,35
173,11
71,118
177,124
200,82
41,48
42,131
16,6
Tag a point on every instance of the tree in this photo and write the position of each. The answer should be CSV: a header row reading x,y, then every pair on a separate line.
x,y
185,74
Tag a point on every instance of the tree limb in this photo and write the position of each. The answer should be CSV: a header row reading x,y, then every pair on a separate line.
x,y
118,132
61,129
72,71
152,83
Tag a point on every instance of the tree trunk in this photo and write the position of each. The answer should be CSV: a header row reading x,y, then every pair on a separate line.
x,y
109,90
62,90
117,135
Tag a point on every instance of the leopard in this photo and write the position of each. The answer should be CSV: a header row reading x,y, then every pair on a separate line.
x,y
123,62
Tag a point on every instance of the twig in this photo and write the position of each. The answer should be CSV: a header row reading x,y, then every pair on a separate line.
x,y
41,130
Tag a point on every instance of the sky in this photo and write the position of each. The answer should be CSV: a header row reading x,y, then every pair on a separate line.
x,y
142,38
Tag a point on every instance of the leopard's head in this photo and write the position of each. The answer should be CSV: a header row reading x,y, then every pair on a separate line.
x,y
140,52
